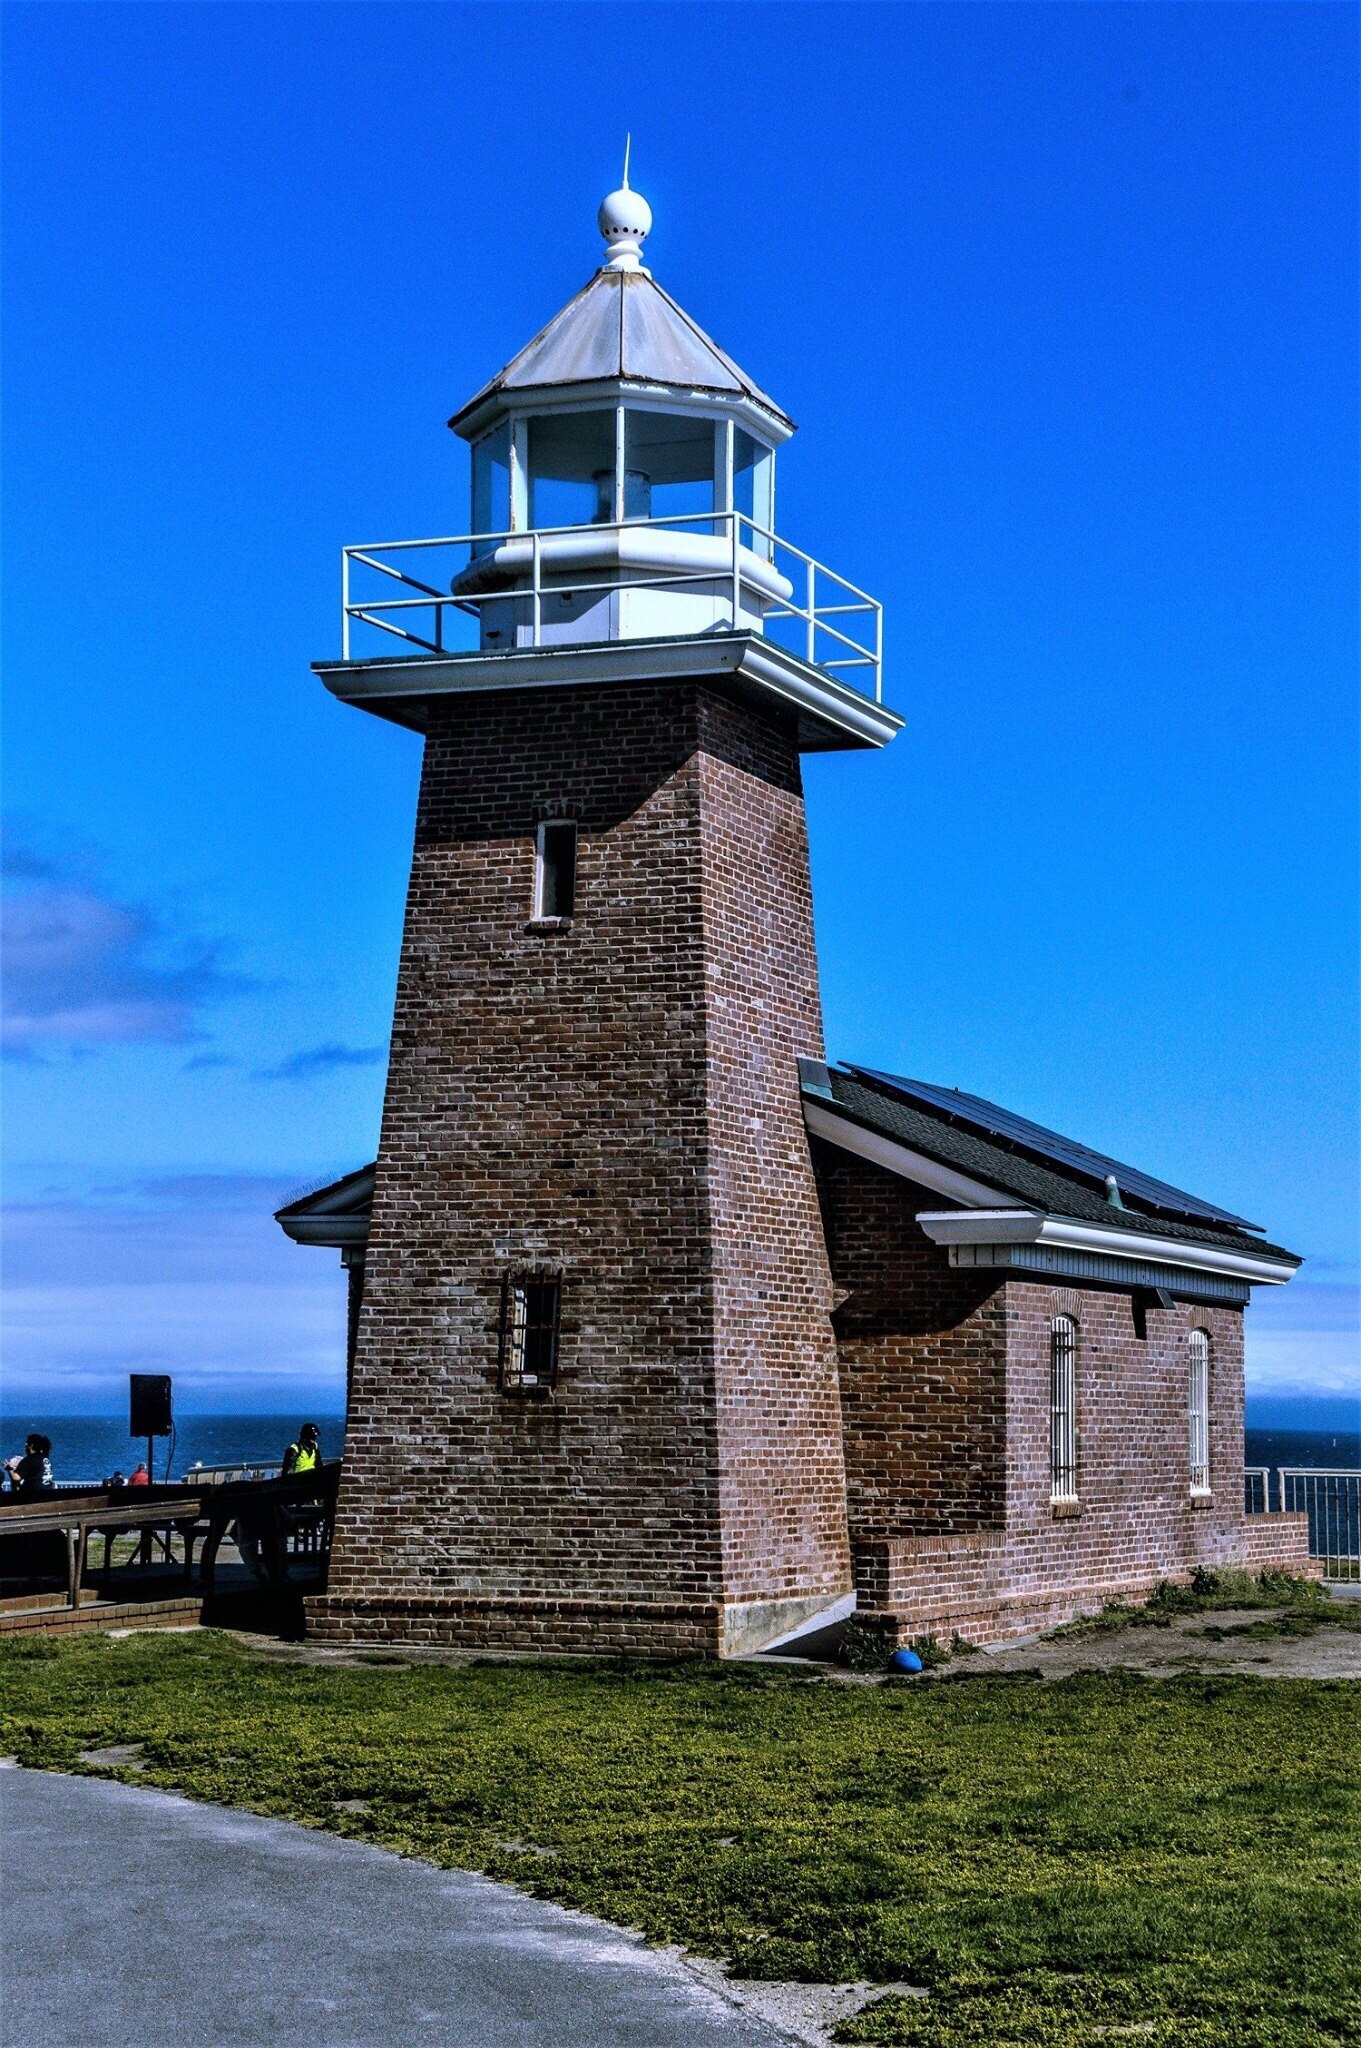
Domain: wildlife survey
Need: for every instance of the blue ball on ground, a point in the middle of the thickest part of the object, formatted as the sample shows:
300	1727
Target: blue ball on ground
906	1660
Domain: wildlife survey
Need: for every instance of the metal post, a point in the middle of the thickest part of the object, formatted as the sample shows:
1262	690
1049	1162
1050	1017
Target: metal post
736	575
344	604
537	600
812	611
878	654
728	500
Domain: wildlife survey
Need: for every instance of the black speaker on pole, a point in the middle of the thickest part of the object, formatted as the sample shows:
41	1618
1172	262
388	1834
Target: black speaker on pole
149	1404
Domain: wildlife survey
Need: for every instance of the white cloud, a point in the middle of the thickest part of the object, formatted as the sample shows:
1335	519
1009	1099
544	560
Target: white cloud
1305	1337
82	970
188	1275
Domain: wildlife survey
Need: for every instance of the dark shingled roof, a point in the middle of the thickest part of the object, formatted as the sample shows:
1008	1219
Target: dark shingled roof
1024	1181
350	1195
1030	1184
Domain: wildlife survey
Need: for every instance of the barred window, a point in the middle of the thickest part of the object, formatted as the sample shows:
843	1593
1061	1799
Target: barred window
1198	1411
529	1332
1063	1409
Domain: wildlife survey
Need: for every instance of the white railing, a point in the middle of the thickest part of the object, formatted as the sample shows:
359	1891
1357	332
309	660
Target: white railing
1329	1496
826	619
221	1475
1256	1489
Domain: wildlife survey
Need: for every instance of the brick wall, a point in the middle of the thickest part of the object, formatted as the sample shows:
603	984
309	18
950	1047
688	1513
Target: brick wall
615	1101
945	1395
922	1352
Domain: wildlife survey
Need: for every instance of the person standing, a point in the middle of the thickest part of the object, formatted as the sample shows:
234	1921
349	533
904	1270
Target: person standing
33	1472
305	1454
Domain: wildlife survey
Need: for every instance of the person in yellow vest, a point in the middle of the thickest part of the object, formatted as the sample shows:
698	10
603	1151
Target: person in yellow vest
305	1454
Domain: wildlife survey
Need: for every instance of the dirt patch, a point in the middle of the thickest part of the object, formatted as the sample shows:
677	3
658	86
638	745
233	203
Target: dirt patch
1253	1642
807	2013
116	1756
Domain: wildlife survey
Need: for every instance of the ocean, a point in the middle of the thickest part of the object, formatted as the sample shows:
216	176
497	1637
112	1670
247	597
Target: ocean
1338	1449
93	1446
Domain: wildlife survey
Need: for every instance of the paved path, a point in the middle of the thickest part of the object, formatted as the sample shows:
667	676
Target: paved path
135	1919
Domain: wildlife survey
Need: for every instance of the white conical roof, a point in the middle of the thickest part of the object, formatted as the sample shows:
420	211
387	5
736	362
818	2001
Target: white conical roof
621	327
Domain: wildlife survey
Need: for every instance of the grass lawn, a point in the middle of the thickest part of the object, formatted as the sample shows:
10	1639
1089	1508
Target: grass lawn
1170	1861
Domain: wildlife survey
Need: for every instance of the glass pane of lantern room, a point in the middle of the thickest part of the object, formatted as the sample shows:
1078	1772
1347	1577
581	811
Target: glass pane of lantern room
571	469
669	464
753	478
491	485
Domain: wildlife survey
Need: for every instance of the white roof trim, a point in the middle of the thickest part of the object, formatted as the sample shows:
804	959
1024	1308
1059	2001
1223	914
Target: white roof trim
899	1159
1026	1226
335	1232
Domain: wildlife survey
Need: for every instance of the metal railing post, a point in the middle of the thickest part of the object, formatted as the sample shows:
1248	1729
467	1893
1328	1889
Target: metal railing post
537	597
344	604
1331	1499
878	654
812	610
734	523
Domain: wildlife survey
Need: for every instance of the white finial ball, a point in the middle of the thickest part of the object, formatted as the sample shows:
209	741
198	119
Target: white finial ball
625	212
625	218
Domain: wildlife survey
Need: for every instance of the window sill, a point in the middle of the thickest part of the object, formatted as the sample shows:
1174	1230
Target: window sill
1202	1498
1065	1510
549	924
518	1393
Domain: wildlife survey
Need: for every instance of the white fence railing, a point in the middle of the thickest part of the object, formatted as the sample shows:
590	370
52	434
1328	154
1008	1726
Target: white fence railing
825	619
1256	1489
1330	1497
221	1475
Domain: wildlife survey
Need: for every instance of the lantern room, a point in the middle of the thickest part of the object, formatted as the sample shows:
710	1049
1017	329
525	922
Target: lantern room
623	470
621	522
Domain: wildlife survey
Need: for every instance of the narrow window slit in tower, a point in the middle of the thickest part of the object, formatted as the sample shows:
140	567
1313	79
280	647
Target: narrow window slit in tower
555	882
529	1332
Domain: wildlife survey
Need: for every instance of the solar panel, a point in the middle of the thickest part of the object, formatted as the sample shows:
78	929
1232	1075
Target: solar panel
990	1121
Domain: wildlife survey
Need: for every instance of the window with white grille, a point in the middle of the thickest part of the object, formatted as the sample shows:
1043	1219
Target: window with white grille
1198	1411
1063	1409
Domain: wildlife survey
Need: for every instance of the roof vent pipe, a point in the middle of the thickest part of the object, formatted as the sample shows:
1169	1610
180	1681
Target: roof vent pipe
1113	1192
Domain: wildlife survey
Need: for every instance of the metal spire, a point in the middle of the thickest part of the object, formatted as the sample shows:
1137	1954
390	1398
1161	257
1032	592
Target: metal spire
625	219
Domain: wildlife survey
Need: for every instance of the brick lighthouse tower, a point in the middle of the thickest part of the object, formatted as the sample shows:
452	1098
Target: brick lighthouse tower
594	1397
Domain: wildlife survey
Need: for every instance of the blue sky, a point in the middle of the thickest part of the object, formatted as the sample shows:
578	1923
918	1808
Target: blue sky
1063	299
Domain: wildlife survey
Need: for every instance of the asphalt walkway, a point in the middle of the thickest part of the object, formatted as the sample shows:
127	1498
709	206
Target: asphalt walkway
135	1919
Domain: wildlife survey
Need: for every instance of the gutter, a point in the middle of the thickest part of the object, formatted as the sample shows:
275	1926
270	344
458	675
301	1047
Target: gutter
978	1226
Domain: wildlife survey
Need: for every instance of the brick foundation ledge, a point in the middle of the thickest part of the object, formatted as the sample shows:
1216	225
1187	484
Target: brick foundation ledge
469	1621
688	1628
989	1586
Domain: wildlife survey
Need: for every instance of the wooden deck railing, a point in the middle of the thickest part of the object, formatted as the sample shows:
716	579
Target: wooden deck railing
279	1518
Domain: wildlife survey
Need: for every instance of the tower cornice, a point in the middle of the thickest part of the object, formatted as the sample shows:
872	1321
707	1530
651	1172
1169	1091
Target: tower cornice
831	716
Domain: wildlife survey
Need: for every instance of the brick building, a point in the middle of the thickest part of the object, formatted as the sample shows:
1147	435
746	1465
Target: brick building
664	1335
